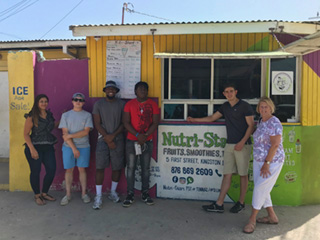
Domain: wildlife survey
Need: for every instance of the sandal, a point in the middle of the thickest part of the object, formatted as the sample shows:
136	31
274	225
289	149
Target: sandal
266	220
39	200
249	228
47	197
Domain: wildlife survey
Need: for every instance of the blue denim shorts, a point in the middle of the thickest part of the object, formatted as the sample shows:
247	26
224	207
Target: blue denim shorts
69	161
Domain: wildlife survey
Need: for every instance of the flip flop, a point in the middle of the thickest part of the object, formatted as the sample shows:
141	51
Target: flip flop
266	220
39	200
249	228
48	197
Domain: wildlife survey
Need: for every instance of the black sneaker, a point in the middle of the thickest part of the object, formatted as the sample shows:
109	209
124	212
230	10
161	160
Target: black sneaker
238	207
147	199
213	208
128	201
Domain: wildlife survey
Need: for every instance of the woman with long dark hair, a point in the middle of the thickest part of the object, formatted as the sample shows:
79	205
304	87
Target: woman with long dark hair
39	147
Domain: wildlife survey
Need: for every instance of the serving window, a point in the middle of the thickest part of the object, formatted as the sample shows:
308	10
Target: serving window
193	87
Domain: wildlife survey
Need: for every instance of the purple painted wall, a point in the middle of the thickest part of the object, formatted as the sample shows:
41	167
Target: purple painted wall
59	80
313	60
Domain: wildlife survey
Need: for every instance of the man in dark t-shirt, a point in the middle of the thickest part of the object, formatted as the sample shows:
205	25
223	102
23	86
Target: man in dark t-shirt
240	124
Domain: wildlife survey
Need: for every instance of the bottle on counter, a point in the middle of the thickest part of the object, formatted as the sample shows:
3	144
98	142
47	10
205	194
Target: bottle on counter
298	146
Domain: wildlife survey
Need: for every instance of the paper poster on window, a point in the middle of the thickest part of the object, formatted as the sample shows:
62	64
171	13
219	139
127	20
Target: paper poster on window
282	83
124	65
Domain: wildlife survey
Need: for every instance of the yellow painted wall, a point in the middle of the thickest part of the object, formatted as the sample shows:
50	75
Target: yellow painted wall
21	97
310	101
151	67
49	54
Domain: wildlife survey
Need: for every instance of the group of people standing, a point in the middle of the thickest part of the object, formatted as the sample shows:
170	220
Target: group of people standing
140	117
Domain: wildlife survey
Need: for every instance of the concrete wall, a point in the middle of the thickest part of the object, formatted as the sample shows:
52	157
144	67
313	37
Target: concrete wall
4	115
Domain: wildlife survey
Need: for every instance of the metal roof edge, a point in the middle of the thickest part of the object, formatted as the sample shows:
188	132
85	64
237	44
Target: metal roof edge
42	43
194	28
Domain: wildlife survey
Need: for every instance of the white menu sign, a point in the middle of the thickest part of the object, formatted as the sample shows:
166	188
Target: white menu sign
124	65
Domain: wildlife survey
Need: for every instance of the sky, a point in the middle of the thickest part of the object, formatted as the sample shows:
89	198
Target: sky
50	19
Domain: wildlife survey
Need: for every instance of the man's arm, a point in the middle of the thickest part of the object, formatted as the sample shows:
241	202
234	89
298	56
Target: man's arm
249	131
154	125
126	119
79	134
108	138
69	141
210	118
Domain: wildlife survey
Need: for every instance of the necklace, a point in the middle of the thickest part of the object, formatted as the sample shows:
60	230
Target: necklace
141	109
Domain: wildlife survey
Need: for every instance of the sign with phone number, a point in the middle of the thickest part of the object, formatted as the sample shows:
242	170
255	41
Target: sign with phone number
190	159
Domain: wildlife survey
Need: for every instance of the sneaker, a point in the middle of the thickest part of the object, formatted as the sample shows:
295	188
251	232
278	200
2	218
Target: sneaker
147	199
213	208
113	196
97	202
65	200
129	200
238	207
85	198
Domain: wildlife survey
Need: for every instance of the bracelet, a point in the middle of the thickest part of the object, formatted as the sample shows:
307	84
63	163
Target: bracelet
137	134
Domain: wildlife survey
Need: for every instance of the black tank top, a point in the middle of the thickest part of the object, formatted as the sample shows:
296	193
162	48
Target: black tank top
42	134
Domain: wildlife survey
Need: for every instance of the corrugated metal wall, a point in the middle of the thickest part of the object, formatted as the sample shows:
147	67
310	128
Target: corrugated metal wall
151	67
310	94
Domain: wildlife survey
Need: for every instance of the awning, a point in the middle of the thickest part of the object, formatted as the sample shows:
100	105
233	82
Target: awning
305	45
242	55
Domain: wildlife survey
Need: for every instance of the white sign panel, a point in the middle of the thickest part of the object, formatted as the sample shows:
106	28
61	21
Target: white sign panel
124	65
190	162
282	83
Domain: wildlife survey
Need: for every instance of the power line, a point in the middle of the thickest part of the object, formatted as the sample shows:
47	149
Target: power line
12	7
10	35
62	19
1	20
145	14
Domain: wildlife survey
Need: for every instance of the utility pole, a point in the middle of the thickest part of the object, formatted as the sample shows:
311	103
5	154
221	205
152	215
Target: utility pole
124	7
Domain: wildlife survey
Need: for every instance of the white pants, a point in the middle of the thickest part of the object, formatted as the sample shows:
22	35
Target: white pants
263	186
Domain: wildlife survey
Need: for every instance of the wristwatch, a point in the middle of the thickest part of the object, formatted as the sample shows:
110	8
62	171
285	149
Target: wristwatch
267	162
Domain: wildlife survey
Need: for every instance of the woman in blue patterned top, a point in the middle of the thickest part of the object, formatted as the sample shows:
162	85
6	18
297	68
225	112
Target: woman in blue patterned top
39	147
268	155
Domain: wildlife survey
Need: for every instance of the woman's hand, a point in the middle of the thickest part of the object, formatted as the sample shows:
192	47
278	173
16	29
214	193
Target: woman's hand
264	171
34	154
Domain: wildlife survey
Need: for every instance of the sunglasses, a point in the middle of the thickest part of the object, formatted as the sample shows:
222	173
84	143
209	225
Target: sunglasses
78	100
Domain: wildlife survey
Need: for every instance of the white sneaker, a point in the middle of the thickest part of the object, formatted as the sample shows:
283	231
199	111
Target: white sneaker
86	198
65	200
97	202
113	196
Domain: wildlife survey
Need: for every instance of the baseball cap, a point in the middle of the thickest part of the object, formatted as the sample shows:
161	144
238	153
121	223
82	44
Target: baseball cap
78	95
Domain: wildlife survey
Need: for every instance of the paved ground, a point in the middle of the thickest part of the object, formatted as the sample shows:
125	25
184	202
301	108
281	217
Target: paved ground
22	219
4	172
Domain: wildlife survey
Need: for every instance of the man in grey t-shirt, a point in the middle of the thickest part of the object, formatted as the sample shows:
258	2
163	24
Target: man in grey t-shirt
75	125
107	115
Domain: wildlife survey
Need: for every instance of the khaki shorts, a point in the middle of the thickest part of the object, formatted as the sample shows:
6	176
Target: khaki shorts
236	161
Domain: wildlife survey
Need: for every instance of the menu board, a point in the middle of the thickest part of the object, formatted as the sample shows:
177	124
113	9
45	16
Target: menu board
124	65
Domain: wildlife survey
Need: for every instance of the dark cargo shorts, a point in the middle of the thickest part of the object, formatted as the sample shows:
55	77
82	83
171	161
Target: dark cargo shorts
104	155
